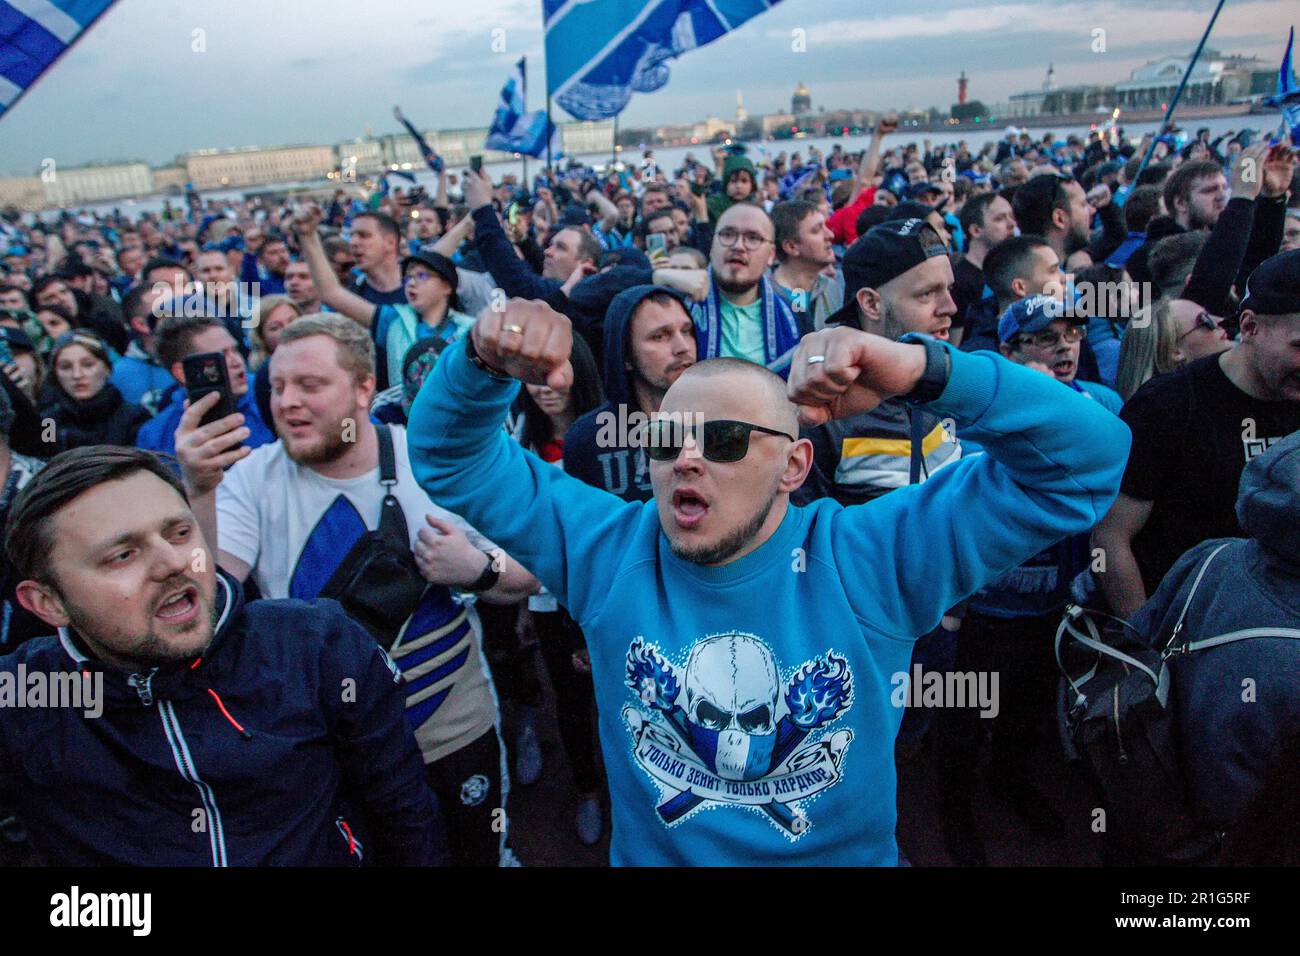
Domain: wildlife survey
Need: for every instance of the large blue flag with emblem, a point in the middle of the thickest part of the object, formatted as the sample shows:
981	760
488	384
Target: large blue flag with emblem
513	129
600	52
35	33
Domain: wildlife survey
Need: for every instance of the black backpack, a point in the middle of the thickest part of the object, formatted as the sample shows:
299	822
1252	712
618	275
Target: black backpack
1119	718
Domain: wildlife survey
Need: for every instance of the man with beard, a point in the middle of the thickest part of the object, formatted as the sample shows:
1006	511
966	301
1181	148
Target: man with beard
1056	207
290	512
804	252
740	647
1196	194
209	711
896	281
266	267
744	316
899	276
649	343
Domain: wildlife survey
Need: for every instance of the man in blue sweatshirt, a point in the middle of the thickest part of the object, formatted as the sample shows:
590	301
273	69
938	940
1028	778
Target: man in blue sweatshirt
744	649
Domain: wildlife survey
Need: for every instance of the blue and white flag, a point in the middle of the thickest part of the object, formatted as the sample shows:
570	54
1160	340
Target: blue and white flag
431	159
600	52
35	33
513	129
1288	96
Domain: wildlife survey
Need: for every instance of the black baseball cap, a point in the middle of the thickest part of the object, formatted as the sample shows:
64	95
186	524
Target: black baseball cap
1274	287
435	261
884	253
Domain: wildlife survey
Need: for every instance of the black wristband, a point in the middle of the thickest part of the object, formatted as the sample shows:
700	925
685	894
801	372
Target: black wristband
938	368
477	361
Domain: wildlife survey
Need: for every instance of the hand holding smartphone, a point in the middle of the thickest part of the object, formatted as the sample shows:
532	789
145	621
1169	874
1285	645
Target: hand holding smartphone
205	373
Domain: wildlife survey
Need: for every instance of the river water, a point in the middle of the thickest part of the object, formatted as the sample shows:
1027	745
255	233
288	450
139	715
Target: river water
670	158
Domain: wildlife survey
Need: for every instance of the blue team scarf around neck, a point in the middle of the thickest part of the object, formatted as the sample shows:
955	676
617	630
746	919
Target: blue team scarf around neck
780	330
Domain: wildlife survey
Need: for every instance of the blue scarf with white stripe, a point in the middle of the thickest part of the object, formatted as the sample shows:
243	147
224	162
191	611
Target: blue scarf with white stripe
781	330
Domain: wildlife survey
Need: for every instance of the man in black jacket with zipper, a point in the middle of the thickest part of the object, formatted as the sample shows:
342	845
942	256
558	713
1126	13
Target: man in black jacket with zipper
170	724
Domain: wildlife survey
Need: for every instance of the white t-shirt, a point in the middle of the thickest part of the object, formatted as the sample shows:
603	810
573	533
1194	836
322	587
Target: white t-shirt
267	507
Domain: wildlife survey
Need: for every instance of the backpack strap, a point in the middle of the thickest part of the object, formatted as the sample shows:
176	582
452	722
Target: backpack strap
1094	641
1231	637
915	445
1288	633
1178	625
392	521
387	458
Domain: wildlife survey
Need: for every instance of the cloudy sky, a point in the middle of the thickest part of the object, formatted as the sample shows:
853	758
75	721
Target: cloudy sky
298	71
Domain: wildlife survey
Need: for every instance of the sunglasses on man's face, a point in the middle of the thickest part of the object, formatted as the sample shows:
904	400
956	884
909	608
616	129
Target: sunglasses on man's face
723	440
1203	321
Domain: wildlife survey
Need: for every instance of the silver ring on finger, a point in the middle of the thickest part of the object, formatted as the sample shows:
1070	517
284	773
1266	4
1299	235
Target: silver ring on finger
816	359
518	330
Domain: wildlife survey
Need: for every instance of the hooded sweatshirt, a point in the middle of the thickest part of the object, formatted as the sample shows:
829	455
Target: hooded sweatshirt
597	449
748	711
1237	703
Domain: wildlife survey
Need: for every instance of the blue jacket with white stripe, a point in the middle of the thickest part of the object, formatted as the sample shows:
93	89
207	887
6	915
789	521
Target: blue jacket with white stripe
284	744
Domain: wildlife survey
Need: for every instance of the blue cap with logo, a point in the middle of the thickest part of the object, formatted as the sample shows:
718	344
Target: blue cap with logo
1032	314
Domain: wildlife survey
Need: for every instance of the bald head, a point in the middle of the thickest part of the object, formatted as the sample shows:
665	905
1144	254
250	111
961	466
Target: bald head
734	388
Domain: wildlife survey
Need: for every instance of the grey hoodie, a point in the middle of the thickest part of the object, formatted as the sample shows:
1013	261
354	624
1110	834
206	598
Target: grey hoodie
1236	704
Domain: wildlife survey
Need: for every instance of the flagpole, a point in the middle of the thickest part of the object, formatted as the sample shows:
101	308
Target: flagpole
613	149
523	75
548	138
1173	103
